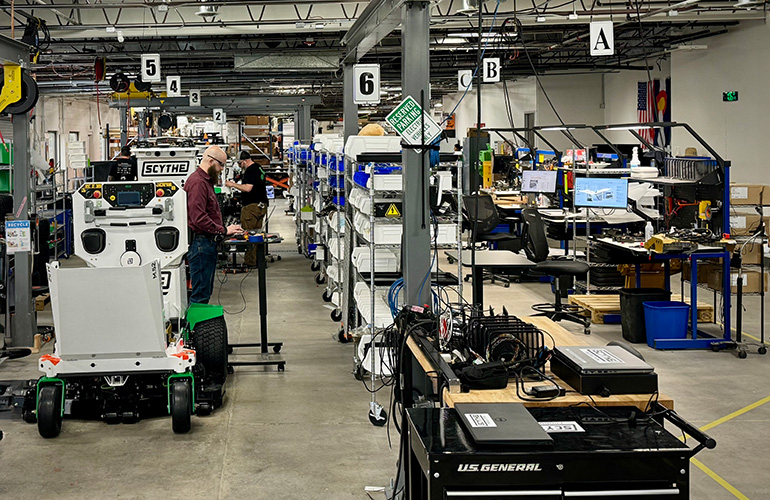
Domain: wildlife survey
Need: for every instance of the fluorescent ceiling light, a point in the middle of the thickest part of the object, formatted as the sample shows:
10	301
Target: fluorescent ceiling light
452	41
556	129
476	35
631	127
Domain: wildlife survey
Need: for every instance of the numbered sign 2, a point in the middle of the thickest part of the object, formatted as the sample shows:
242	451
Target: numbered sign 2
151	68
366	83
219	116
174	86
195	97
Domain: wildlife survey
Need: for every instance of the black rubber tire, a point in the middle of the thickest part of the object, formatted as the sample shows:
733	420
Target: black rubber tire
762	350
49	411
336	315
281	368
743	354
715	348
326	297
315	266
29	96
277	348
342	337
320	279
378	422
181	405
209	339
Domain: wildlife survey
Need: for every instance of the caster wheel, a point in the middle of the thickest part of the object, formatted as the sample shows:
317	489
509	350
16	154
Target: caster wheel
336	315
277	349
507	285
281	368
715	348
587	331
467	279
29	417
320	279
315	266
299	250
181	405
762	350
517	280
326	296
278	257
49	411
743	354
342	337
203	410
451	260
378	420
358	373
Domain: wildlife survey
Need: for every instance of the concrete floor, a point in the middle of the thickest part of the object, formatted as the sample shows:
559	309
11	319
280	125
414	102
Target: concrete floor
304	433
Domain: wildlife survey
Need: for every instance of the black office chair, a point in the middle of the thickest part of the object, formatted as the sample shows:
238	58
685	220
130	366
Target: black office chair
563	271
484	213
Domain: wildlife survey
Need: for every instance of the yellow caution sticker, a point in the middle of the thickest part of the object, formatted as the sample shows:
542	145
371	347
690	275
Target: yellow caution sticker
392	211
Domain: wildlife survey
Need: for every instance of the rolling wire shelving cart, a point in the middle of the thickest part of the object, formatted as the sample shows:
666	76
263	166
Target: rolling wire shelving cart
334	221
373	229
304	215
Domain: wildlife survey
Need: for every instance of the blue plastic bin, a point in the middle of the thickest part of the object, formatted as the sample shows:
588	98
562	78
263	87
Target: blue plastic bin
665	320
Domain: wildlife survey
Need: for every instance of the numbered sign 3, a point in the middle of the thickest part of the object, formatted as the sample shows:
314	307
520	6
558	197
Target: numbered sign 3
219	116
174	86
151	68
195	97
366	83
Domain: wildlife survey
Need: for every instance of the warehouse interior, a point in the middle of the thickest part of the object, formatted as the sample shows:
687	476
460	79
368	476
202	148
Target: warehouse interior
388	249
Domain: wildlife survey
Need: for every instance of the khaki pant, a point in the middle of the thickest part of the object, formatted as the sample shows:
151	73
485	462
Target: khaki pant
252	217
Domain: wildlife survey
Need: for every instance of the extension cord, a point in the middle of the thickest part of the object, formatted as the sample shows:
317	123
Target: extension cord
546	391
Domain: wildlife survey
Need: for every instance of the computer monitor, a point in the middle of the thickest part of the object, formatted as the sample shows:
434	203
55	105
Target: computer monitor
538	181
601	192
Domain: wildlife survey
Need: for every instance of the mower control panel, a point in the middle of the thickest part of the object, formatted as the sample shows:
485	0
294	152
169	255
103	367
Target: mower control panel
130	194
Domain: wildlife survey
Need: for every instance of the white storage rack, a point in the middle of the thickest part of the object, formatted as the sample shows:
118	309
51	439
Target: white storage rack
301	166
333	227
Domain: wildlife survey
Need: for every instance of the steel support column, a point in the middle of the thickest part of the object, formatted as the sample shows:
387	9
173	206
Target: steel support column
23	323
415	77
302	126
349	108
123	127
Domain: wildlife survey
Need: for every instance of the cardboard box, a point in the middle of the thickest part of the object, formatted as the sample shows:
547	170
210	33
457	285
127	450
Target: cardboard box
250	120
749	194
752	253
752	281
705	269
744	224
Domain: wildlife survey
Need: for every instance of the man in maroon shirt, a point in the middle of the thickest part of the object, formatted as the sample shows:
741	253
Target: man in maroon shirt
204	218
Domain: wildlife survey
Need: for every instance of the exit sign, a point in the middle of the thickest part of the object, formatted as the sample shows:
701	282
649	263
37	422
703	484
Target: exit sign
730	96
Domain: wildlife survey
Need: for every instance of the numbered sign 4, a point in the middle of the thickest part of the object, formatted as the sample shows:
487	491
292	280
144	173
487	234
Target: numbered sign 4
219	116
195	97
174	86
366	83
151	68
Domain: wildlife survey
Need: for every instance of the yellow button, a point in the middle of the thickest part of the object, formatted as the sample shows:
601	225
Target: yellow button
112	198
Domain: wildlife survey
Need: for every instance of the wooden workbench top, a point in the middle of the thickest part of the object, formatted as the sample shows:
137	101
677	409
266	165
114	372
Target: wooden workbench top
561	336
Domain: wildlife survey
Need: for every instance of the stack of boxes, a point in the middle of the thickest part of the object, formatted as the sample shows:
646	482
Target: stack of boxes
258	130
749	206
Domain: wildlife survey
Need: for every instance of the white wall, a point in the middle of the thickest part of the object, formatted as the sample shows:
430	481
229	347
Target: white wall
493	110
738	131
80	115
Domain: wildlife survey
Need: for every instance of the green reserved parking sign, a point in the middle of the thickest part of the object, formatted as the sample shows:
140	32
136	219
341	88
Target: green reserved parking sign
407	118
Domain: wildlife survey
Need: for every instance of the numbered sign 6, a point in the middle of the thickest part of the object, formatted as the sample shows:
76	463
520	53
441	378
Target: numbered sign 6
151	68
195	97
219	116
174	86
366	83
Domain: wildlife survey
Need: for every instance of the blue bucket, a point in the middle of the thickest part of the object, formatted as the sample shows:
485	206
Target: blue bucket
665	320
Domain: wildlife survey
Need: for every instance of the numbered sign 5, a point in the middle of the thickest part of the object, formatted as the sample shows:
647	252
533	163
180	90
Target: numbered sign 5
195	97
219	116
151	68
366	83
174	86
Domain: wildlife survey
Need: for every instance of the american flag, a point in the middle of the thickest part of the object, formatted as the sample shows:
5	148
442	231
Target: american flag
645	106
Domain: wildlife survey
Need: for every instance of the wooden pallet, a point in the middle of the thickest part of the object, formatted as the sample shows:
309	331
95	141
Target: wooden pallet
599	306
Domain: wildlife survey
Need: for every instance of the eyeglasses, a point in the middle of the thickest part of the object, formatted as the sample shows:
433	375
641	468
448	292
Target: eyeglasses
221	163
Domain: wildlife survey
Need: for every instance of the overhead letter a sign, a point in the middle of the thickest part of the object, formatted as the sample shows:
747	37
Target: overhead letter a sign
602	38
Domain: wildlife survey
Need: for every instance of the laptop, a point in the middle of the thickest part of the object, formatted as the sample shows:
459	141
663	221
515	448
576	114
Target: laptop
502	424
611	359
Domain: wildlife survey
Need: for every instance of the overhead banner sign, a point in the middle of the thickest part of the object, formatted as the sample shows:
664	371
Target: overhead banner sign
174	86
407	119
195	97
151	68
602	38
366	83
464	79
492	70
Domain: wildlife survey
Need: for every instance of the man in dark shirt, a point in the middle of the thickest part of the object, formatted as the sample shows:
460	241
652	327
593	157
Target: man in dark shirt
205	221
124	168
253	200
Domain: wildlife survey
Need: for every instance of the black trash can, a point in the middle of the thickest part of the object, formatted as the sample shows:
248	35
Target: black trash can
632	310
